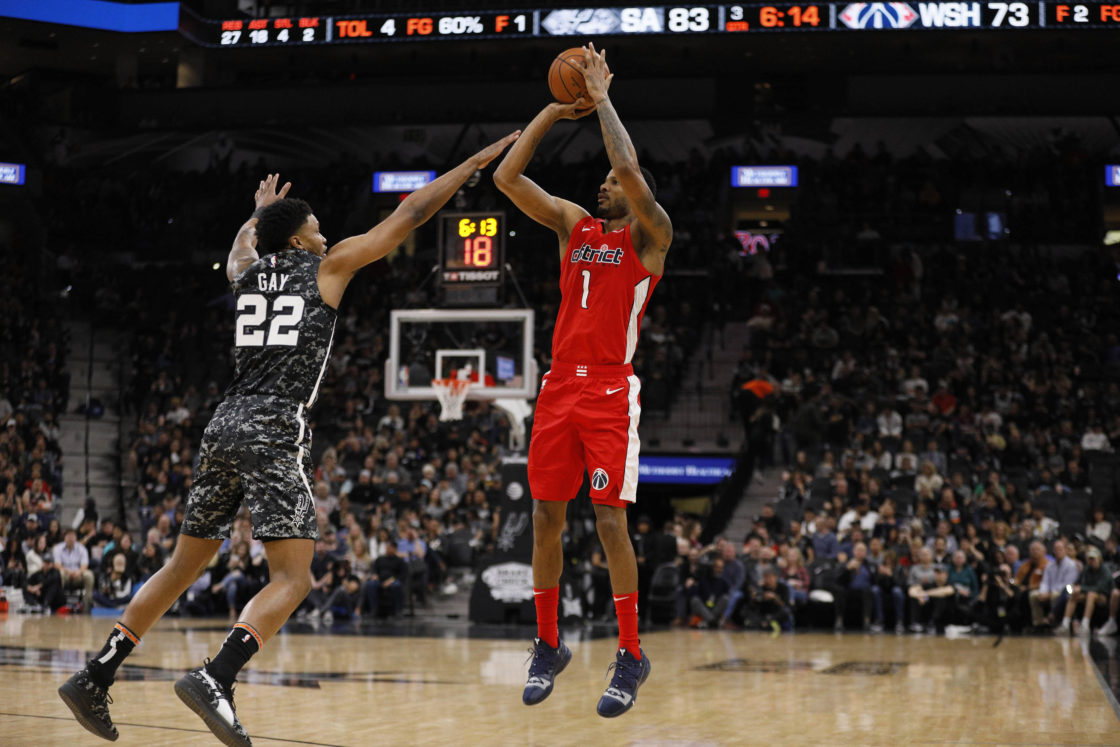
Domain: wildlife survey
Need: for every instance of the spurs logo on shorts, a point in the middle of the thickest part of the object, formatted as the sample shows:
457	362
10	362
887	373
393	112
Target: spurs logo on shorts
599	479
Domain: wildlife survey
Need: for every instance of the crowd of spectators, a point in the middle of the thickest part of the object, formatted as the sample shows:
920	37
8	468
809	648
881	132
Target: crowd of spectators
946	431
34	392
980	374
885	571
394	485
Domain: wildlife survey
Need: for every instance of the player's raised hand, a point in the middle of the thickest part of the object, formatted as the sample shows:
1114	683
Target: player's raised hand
492	151
266	191
575	110
596	75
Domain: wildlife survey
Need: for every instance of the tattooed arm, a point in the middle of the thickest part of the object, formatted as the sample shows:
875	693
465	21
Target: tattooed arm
653	231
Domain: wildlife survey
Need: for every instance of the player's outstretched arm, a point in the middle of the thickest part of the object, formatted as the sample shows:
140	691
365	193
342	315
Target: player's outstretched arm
244	252
350	255
553	212
655	228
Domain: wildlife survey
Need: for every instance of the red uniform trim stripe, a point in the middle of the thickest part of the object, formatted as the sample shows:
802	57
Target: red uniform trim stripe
620	371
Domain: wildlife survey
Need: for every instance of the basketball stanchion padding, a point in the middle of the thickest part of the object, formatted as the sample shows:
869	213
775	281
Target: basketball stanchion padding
451	394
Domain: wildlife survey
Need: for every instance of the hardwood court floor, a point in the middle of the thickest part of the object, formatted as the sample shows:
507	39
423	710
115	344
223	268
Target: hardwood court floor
706	688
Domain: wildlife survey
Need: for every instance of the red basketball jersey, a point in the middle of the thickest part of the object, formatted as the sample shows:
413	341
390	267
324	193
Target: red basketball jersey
605	289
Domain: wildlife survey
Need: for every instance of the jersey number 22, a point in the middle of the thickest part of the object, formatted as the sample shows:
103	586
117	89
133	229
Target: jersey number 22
253	312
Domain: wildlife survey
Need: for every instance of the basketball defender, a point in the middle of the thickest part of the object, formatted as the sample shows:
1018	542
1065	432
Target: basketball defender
587	411
256	448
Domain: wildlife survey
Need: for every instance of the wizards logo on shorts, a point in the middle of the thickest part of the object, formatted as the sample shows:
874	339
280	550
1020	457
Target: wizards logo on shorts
599	479
603	255
878	16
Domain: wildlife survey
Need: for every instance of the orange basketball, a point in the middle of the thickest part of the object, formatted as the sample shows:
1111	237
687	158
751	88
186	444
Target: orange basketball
565	77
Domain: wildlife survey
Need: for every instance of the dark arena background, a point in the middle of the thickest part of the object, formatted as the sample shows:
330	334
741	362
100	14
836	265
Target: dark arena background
885	345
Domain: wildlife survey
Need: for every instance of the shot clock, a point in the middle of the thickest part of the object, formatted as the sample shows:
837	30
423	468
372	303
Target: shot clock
472	248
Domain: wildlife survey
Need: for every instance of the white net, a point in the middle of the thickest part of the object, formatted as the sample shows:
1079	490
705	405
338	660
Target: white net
451	394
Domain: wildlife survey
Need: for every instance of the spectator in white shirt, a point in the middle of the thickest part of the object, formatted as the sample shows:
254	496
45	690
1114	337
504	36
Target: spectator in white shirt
1095	439
905	461
890	423
990	420
392	420
1098	527
928	479
861	514
845	367
73	563
177	413
911	385
879	458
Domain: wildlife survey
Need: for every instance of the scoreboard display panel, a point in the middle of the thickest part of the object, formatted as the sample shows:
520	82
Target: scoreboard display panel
472	248
667	20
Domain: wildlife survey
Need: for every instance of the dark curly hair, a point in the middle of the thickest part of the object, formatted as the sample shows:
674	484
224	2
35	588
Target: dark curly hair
278	222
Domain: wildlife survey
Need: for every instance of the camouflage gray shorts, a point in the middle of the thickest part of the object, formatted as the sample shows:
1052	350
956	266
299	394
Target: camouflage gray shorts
255	450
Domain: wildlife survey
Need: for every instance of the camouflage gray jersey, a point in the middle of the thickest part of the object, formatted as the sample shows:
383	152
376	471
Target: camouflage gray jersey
282	338
256	448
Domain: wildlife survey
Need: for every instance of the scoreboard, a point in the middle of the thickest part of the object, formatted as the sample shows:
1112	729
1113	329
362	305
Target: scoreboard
472	248
663	20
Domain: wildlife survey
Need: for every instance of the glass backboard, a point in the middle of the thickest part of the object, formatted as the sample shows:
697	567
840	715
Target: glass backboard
493	348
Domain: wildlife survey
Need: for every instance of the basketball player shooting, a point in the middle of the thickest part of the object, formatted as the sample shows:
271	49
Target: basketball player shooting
256	448
587	412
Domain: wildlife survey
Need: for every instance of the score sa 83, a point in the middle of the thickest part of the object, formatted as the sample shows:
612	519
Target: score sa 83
683	20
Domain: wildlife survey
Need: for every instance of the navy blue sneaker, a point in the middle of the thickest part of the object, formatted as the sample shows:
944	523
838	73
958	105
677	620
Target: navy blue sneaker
629	674
547	662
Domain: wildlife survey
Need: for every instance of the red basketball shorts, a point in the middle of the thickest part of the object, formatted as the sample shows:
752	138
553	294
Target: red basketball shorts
586	419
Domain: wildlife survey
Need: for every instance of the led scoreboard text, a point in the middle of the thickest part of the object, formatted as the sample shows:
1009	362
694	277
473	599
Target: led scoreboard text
471	248
666	19
13	173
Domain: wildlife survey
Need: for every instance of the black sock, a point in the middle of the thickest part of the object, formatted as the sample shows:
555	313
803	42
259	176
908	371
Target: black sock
103	667
241	643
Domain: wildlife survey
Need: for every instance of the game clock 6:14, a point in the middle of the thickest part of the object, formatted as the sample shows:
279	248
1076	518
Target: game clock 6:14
472	248
773	17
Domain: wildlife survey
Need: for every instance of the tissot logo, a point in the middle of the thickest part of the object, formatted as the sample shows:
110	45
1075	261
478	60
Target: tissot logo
470	276
603	255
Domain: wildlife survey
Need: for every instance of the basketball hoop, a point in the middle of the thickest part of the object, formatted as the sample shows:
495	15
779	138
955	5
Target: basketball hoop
451	393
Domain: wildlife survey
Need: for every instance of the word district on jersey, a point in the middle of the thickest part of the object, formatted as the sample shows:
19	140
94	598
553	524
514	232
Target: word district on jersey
603	255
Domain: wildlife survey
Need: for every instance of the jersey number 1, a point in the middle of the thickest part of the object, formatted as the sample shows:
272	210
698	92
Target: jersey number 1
252	311
586	287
